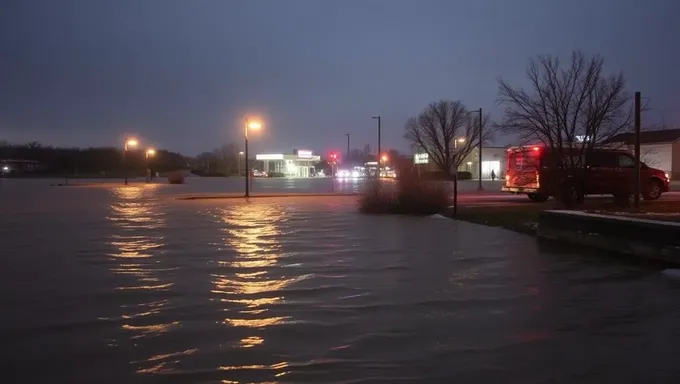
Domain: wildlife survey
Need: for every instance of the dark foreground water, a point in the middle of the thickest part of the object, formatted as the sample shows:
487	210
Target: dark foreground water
126	284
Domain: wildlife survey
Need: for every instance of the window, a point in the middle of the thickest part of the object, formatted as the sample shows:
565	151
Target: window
626	161
602	160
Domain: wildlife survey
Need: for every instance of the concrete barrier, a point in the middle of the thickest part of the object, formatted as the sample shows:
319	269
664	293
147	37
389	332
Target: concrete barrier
649	239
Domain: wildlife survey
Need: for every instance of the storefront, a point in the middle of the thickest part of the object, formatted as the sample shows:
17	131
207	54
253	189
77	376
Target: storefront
298	164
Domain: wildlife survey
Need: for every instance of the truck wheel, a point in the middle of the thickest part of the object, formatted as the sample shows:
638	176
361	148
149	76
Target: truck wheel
537	197
653	190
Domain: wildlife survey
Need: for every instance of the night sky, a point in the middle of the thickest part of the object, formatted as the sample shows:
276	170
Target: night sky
182	74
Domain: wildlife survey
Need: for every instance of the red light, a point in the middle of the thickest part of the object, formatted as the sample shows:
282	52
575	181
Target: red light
536	149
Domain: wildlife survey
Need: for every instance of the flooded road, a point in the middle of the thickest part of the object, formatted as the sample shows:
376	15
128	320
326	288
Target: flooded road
127	284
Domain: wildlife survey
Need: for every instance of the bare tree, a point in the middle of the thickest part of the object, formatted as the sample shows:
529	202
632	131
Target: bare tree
571	109
447	132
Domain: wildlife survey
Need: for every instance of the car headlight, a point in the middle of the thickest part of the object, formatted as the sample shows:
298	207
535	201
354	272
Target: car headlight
667	177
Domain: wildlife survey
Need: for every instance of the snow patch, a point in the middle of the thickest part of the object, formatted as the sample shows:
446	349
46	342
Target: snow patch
671	272
438	216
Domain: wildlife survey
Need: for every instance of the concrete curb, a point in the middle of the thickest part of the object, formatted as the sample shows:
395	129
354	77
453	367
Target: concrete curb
647	239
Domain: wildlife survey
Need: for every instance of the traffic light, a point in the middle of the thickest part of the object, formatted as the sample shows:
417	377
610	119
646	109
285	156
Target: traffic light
334	157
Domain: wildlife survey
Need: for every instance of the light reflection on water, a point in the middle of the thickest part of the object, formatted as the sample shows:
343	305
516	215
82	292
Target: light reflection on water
139	241
245	285
308	290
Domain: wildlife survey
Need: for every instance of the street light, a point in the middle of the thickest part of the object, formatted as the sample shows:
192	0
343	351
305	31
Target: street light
256	125
148	154
480	188
458	140
129	142
378	118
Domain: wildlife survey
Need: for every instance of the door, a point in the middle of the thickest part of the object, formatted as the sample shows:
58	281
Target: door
624	174
600	167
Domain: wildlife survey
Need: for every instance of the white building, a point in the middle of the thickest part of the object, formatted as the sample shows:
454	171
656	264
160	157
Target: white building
493	159
658	149
298	164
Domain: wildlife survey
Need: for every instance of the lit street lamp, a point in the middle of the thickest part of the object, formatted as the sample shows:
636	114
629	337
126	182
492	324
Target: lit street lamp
148	154
249	125
129	142
458	140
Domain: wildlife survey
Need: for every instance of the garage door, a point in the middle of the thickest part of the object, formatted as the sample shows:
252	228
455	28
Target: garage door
657	156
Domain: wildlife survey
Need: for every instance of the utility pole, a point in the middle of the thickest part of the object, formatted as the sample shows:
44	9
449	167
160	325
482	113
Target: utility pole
347	156
480	188
636	189
378	156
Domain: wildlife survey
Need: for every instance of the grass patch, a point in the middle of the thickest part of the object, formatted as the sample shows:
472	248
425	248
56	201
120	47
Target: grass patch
519	218
523	217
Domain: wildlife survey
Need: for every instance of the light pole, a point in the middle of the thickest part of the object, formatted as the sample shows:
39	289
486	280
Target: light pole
238	161
347	156
249	125
148	154
480	188
129	142
378	156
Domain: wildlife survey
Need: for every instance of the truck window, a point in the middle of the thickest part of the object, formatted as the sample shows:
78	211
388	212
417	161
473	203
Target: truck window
602	160
625	161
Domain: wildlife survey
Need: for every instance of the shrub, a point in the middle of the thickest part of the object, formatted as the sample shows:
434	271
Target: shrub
176	177
412	196
464	175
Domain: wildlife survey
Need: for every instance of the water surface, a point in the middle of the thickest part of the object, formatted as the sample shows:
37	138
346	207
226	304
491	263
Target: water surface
127	284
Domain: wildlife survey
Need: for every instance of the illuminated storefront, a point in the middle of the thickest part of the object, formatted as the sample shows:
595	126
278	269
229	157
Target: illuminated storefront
298	164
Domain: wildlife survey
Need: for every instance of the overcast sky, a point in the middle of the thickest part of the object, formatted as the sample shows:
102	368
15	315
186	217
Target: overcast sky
182	74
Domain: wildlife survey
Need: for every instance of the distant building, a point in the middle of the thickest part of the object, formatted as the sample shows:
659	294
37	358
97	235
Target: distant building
15	166
300	163
493	159
658	149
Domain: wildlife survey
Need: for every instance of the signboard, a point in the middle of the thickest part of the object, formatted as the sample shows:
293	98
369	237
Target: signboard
304	154
275	156
421	158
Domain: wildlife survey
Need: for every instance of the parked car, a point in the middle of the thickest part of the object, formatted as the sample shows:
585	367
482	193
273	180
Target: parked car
606	171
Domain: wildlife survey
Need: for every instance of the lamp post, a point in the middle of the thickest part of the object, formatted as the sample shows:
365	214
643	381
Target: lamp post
249	125
148	154
347	156
379	119
479	187
129	142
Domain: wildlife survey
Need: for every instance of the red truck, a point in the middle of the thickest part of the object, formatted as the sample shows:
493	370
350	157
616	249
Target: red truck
607	171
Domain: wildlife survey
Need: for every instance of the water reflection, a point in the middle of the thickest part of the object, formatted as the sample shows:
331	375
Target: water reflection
249	285
138	246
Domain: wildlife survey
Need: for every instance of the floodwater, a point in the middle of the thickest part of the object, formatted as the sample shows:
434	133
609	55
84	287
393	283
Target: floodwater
126	284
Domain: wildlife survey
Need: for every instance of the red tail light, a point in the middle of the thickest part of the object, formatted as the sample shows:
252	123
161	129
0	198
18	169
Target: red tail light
536	149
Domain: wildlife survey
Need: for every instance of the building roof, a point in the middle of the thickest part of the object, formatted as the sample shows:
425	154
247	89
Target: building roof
648	137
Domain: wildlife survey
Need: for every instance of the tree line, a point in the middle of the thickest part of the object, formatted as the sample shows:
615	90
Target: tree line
93	162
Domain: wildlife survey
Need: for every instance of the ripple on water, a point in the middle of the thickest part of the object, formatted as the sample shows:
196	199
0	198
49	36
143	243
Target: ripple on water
310	291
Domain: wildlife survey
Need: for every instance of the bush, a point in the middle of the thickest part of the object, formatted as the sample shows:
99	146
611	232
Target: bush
275	174
176	177
413	196
464	175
